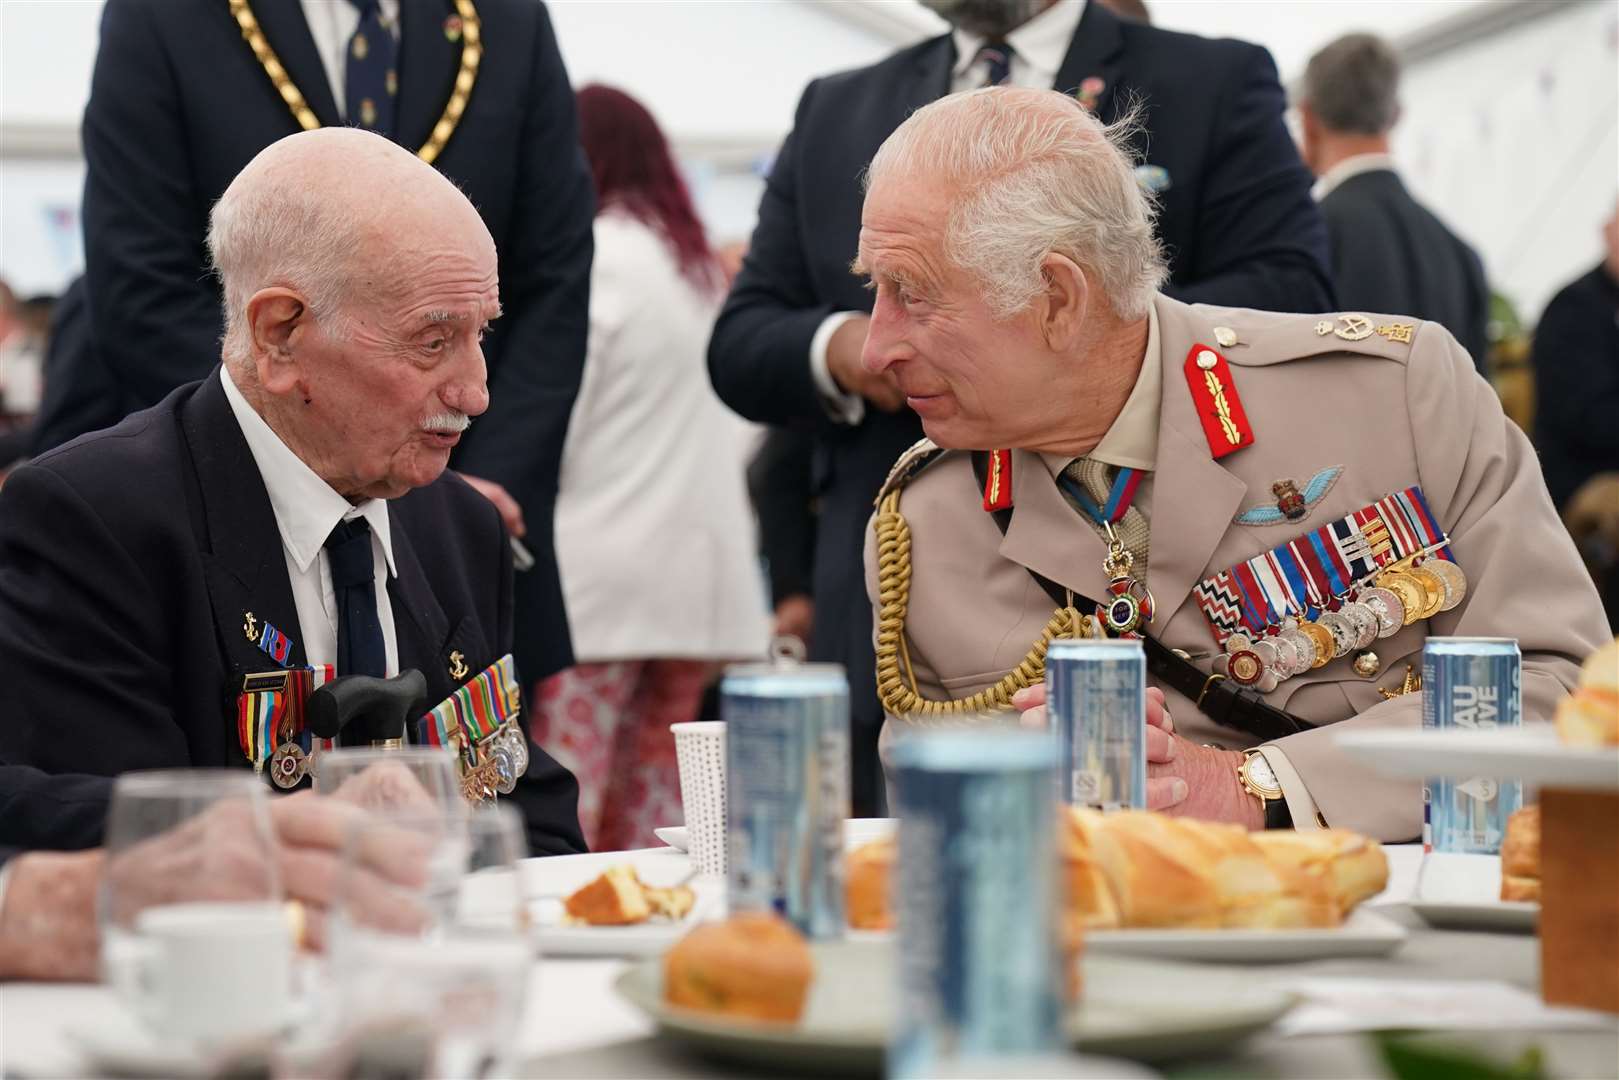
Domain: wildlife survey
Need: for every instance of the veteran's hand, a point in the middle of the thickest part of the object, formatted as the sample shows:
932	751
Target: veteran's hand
795	617
510	512
48	927
1209	776
843	362
1164	788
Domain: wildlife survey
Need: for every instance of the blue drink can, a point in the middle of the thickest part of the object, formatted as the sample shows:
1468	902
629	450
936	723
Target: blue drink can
787	791
1469	683
976	897
1096	695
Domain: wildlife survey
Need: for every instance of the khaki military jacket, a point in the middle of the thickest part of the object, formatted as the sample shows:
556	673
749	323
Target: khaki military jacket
1391	414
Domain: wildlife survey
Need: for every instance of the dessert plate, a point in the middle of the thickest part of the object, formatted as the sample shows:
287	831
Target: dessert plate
1137	1009
674	836
555	936
1531	754
1510	916
856	831
1363	933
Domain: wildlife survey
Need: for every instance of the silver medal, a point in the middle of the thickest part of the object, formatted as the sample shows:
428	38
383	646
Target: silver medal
1388	609
1364	621
1344	634
1303	648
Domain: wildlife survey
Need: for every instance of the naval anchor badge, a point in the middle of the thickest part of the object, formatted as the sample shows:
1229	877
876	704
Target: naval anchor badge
1292	504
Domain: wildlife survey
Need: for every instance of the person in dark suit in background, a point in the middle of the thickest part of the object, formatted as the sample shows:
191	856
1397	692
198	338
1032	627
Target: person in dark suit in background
781	478
1235	216
183	96
298	488
1389	253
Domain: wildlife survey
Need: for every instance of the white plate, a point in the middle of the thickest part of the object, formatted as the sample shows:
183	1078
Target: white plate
557	938
1132	1008
1530	754
856	831
1512	916
674	836
1364	933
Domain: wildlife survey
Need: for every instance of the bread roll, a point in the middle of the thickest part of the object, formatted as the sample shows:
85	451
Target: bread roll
1520	855
1159	876
1089	895
1349	867
1590	715
753	965
868	871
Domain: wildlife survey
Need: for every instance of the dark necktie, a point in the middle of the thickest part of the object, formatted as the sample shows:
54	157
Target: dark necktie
998	57
359	631
371	82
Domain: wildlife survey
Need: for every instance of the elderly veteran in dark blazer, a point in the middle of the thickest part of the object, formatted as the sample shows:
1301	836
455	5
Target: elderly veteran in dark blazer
292	508
1294	502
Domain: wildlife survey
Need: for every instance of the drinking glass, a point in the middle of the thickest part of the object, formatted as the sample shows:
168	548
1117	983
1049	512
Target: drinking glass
195	939
444	957
414	779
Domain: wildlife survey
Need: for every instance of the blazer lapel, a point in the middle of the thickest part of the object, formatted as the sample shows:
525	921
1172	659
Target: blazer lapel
1096	52
1047	535
242	555
930	77
428	64
287	31
1193	497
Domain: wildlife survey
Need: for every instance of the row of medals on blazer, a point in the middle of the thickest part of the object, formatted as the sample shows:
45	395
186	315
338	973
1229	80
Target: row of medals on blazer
1417	587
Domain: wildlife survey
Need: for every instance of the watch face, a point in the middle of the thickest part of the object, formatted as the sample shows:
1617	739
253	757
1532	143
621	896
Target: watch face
1263	777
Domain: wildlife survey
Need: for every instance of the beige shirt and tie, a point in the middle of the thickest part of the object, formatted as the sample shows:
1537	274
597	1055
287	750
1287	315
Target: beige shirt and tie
1390	414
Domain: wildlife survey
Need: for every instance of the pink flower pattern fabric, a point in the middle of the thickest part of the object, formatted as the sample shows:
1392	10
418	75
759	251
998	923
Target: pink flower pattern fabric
609	723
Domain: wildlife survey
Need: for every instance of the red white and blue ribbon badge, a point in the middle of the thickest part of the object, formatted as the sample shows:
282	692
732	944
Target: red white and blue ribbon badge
273	643
1301	578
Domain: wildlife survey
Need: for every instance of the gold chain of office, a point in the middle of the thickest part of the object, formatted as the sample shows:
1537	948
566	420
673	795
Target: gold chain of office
471	57
896	682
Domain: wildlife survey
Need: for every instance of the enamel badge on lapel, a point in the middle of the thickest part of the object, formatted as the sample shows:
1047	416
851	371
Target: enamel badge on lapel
1090	92
272	642
1219	409
998	482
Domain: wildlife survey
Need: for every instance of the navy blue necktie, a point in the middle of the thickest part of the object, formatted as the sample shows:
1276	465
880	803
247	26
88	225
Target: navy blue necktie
371	82
998	57
359	632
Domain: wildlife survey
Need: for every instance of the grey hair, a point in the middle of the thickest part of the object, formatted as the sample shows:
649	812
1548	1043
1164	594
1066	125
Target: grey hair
1353	85
1038	174
281	234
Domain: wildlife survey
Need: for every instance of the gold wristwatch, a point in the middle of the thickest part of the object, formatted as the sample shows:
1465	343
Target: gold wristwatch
1259	780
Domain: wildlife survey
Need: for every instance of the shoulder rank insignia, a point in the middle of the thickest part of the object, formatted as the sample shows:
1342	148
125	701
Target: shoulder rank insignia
921	454
1225	424
1291	504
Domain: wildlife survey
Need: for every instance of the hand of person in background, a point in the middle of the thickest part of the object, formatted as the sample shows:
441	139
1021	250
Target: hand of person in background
795	617
1183	777
48	919
843	362
511	514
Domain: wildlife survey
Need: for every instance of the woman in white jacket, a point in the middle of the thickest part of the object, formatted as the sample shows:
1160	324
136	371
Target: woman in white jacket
654	532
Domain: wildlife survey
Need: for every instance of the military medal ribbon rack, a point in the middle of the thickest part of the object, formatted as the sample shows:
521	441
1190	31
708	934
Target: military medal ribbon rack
479	722
270	722
1332	592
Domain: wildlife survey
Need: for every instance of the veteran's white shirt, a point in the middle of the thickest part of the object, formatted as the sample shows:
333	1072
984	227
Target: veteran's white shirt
1038	48
306	511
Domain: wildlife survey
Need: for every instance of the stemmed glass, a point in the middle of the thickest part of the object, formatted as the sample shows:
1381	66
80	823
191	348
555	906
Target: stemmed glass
443	960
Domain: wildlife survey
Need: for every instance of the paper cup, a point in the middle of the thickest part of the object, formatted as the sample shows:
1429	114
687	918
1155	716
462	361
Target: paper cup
700	752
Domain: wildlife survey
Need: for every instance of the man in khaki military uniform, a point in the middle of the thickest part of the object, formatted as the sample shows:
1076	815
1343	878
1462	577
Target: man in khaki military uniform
1303	498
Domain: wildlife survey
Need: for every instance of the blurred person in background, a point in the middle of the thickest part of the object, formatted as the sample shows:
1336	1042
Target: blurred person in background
24	333
1576	368
654	534
185	92
1235	214
1389	253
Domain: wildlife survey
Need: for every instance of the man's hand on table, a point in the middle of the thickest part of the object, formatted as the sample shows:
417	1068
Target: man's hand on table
1183	777
843	363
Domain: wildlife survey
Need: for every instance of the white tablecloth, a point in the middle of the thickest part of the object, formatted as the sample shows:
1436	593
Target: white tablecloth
571	1004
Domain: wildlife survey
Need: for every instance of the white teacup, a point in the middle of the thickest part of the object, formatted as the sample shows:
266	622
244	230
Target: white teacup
210	972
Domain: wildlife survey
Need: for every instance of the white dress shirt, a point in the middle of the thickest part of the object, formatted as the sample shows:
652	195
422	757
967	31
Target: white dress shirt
331	24
1353	165
306	511
1038	48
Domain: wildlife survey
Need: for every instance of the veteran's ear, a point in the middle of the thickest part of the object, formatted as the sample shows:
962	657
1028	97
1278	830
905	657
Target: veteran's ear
277	318
1065	302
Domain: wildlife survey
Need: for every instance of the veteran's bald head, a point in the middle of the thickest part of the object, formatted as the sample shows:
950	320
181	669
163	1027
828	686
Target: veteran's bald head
334	214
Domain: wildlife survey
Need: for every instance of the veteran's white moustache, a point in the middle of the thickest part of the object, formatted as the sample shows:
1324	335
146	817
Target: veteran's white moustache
452	423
